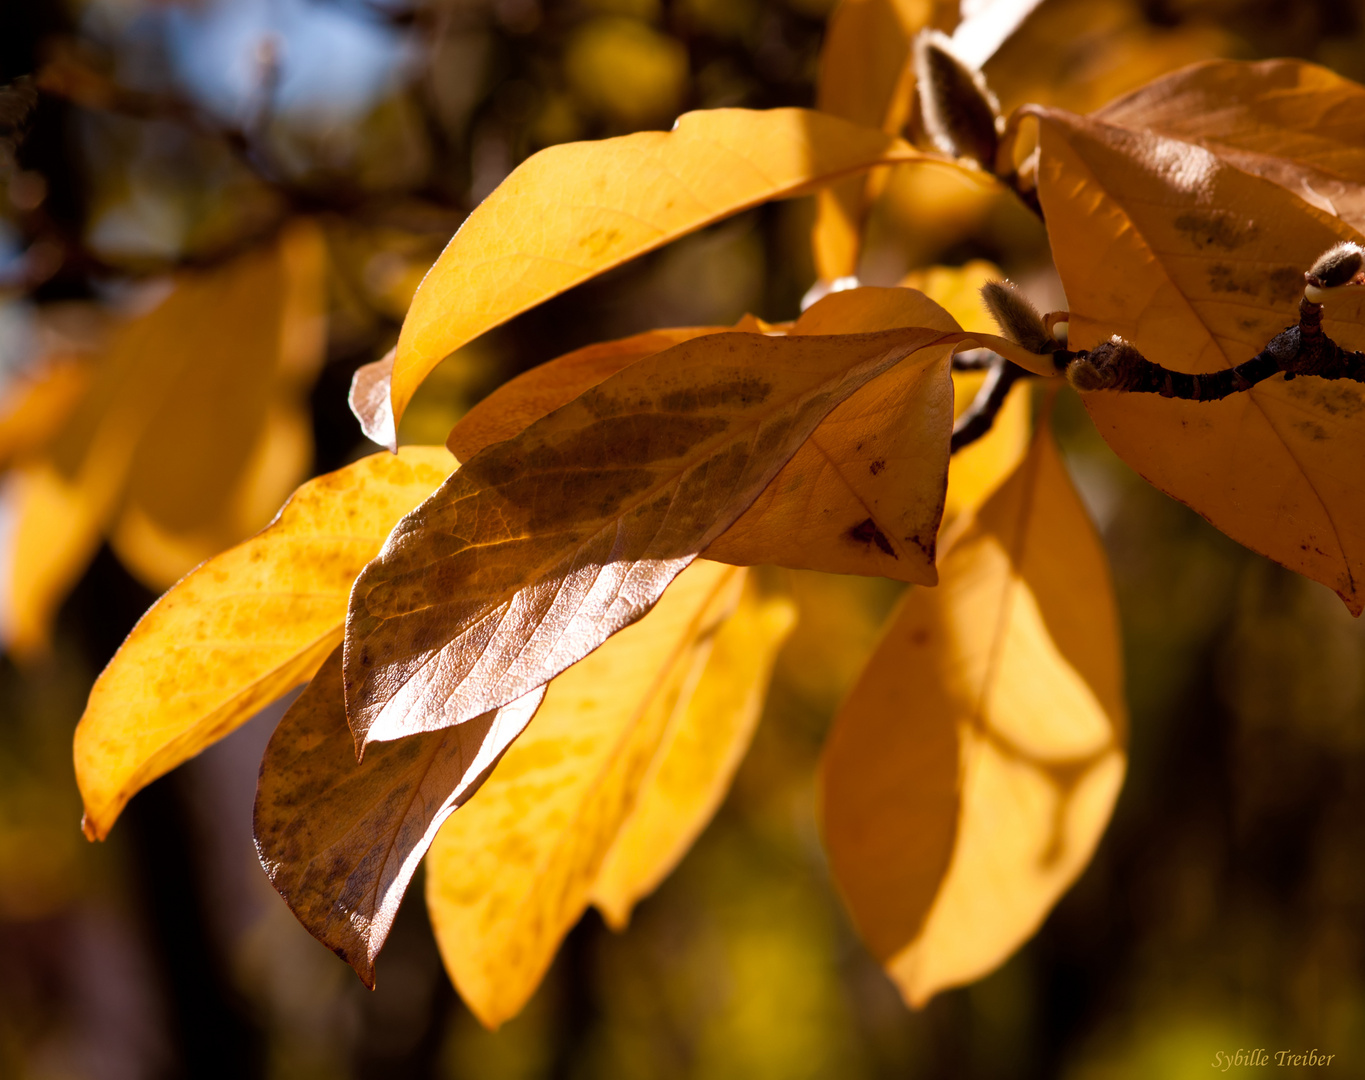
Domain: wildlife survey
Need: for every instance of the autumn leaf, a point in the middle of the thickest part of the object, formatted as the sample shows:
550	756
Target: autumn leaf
1297	124
1210	261
544	545
35	405
241	630
707	737
512	871
972	770
573	211
865	76
340	840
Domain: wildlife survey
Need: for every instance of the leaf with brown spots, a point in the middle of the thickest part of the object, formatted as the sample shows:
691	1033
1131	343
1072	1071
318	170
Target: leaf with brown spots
573	211
1294	123
972	770
512	871
1199	265
544	545
340	840
241	630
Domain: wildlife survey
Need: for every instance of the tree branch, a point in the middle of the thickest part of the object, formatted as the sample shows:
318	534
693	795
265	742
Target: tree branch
979	417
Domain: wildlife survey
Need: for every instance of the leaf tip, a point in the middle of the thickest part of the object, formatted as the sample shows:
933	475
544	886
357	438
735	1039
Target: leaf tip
371	401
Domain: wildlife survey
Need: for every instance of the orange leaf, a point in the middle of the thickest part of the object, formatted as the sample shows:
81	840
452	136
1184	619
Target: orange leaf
542	546
1199	265
972	770
575	210
340	840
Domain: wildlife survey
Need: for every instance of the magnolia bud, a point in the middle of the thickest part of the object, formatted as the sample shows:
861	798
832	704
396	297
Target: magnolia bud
1338	265
1017	318
960	113
1109	366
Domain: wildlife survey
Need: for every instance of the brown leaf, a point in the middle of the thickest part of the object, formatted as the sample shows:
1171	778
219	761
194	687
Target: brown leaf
340	840
543	546
1199	265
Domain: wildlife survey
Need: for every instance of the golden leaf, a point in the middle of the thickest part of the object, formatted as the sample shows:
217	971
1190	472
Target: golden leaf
544	545
1294	123
340	840
35	405
971	772
241	630
572	211
512	871
706	739
1199	265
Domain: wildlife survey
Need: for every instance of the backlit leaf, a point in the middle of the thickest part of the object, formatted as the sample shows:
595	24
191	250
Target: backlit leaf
972	770
1295	123
35	405
241	630
544	545
340	839
1199	265
512	871
697	758
575	210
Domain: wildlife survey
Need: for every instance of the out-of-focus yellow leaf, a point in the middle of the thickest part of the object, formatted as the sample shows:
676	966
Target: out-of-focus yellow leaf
626	70
866	77
341	839
513	869
1297	124
864	494
241	630
982	466
573	211
543	546
972	770
1209	262
707	738
35	406
219	455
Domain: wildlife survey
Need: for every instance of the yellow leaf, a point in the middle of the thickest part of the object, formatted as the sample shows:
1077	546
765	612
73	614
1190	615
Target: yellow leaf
220	424
575	210
34	406
865	76
1294	123
241	630
544	545
511	872
706	739
339	839
982	466
972	770
1199	265
864	494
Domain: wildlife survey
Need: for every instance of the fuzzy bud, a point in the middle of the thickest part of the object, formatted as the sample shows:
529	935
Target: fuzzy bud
960	113
1338	265
1111	365
1017	318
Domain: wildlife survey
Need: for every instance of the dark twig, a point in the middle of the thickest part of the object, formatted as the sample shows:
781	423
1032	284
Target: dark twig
979	416
1298	350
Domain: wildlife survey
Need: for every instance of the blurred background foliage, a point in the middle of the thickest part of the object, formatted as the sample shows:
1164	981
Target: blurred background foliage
178	149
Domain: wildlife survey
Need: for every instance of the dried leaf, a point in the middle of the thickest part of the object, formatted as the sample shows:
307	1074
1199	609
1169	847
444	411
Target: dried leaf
241	630
511	872
340	840
706	739
972	770
544	545
1297	124
864	494
1211	261
575	210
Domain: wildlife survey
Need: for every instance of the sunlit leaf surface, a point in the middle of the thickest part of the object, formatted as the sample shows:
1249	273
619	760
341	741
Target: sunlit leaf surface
973	768
573	211
512	870
1199	265
542	546
242	629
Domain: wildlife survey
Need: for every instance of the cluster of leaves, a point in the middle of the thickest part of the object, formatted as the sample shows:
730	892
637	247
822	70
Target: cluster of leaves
553	611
